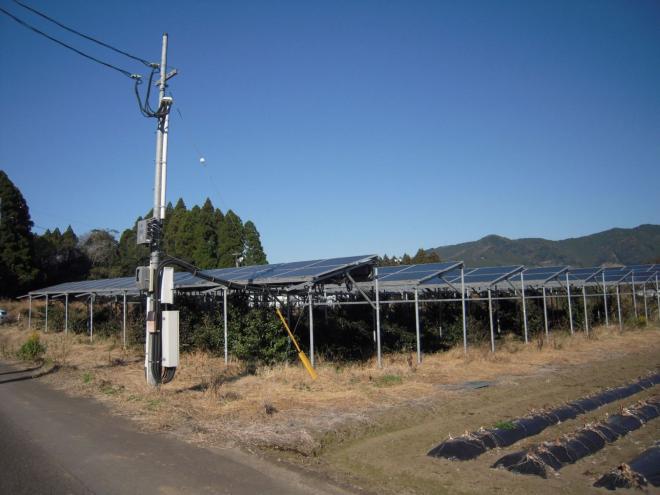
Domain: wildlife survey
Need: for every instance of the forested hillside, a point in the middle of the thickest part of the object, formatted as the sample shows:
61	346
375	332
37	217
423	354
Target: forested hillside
611	247
204	236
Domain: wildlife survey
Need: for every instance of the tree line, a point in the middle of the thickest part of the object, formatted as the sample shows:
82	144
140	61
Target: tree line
204	236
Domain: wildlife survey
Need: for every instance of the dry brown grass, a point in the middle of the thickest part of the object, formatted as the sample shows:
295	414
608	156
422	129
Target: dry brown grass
280	407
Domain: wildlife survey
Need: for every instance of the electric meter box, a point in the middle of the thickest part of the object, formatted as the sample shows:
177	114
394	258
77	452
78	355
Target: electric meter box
143	232
170	339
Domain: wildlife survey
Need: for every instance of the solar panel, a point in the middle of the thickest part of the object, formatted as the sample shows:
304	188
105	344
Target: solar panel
583	274
641	268
541	273
413	274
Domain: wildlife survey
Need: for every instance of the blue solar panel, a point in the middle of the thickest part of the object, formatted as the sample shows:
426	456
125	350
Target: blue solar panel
583	274
281	273
413	273
542	273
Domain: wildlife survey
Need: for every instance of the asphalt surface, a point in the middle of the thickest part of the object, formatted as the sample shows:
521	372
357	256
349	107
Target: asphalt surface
54	444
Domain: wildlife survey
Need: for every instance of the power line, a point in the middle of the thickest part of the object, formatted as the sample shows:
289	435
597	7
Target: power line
61	43
87	37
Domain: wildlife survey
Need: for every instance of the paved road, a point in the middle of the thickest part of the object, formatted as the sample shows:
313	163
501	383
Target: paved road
54	444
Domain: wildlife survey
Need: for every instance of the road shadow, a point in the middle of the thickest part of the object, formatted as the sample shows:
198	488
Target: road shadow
54	369
13	372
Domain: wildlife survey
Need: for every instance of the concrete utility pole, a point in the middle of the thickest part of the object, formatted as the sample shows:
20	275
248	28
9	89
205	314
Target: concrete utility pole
159	210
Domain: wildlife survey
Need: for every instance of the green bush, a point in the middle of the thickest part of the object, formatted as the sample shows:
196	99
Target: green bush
32	349
260	336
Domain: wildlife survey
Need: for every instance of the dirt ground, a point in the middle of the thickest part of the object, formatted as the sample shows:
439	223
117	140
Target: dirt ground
369	427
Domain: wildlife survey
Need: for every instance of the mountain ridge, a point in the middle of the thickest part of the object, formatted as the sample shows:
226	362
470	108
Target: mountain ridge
616	246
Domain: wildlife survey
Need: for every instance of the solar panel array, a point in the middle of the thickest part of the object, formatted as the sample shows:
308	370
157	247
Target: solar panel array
279	274
428	275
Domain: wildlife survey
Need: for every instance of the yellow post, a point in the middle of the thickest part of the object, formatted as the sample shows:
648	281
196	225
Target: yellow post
301	355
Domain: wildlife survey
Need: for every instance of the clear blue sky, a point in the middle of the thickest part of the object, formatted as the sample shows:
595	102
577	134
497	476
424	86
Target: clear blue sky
347	127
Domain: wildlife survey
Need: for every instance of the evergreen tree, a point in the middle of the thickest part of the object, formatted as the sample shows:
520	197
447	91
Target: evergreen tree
101	248
231	240
130	254
17	270
205	236
254	251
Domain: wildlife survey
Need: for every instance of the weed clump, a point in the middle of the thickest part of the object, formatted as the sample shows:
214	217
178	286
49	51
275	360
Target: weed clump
32	349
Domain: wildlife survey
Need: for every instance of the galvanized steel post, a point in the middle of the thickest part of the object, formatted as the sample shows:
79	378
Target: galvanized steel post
618	304
492	326
46	327
570	307
419	345
91	318
657	294
123	323
524	305
311	327
607	317
463	303
30	313
224	321
586	315
378	348
545	313
646	308
634	297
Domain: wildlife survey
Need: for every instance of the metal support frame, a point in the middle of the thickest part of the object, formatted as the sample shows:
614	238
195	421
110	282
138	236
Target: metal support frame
46	324
657	295
311	326
607	316
586	315
123	323
524	305
30	312
224	321
357	286
91	317
419	344
378	347
634	296
618	305
570	307
545	313
646	308
66	314
464	307
490	317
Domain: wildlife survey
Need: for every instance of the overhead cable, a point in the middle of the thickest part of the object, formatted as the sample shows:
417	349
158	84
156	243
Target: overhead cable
65	45
87	37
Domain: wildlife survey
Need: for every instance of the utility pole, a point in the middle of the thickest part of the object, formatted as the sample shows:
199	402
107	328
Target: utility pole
152	356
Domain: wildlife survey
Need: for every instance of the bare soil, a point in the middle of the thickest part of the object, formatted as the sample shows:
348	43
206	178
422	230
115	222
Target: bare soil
366	426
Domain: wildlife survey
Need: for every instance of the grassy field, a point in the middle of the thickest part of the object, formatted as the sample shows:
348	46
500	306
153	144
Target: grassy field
357	423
